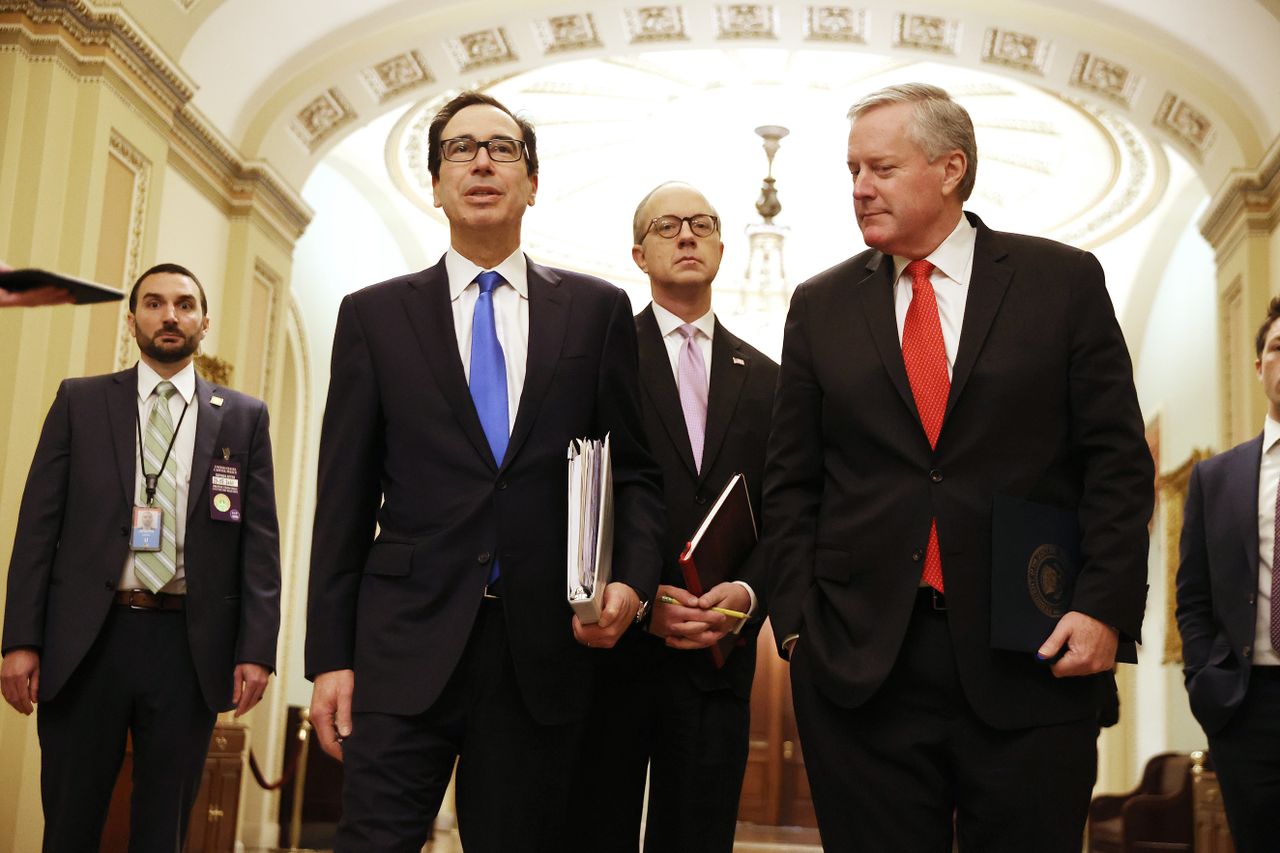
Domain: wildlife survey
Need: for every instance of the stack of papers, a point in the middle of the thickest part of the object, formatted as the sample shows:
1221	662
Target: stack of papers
590	526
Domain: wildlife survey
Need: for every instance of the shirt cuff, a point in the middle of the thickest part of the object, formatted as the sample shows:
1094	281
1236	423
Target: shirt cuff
750	610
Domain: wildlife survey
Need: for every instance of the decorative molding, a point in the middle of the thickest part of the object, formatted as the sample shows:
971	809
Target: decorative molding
133	160
1250	197
1104	77
564	33
1135	167
481	49
1019	51
398	74
106	43
94	30
927	32
656	23
245	185
1186	124
215	370
1231	343
746	21
321	118
835	23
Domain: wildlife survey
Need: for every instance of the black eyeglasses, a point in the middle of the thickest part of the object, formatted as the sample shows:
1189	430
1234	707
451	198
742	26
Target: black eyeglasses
463	149
701	224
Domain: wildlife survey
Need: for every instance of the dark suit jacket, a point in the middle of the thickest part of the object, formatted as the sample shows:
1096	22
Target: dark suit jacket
402	448
1042	405
1218	582
739	408
73	534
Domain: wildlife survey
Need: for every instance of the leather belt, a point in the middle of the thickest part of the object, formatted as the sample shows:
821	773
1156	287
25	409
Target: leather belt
141	599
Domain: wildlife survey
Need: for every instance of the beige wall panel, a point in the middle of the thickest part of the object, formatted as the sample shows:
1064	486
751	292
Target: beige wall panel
194	232
112	260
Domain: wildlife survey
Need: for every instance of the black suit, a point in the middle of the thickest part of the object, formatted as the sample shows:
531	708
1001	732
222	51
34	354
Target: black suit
402	448
68	553
1236	702
671	707
1041	405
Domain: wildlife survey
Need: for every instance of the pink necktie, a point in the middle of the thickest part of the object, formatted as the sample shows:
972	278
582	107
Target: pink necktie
925	355
692	379
1275	581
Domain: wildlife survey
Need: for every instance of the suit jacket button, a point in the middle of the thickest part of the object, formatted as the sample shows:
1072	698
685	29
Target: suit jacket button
484	557
935	475
700	500
502	485
124	531
1250	598
110	584
1248	650
917	555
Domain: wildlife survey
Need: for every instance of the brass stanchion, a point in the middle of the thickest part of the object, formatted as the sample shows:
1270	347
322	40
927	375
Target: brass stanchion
299	779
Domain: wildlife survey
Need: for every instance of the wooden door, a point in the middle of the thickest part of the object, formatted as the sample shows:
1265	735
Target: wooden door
775	790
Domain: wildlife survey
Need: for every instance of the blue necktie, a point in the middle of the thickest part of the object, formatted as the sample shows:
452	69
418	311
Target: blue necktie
489	376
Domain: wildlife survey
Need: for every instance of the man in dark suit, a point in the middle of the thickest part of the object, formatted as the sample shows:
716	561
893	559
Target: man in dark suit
151	642
1229	612
453	397
946	365
662	702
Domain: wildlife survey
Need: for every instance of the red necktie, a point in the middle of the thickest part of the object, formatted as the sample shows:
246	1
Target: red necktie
925	355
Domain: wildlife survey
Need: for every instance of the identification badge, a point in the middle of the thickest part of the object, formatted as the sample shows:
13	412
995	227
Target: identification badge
148	528
224	490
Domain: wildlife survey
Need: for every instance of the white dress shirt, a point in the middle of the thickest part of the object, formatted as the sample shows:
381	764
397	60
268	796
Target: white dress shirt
510	315
1268	477
669	327
953	266
184	447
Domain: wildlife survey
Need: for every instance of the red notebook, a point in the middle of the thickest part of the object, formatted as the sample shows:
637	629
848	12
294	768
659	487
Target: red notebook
721	544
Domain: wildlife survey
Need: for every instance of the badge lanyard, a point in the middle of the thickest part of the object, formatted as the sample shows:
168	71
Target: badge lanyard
152	479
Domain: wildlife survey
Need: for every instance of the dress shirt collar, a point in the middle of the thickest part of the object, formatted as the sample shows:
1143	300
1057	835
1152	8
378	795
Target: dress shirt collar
463	272
184	380
953	257
1270	434
668	322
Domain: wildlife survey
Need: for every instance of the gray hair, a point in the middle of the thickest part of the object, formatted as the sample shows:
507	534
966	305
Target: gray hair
938	124
640	225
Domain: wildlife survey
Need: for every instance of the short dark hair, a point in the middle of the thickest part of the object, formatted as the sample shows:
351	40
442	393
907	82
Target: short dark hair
177	269
470	99
1273	314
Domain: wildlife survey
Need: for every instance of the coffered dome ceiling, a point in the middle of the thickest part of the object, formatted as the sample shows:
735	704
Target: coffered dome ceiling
610	129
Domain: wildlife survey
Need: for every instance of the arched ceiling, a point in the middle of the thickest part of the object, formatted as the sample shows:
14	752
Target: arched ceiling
288	79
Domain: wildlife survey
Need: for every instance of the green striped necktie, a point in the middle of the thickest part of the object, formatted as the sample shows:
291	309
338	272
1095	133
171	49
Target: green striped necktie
157	568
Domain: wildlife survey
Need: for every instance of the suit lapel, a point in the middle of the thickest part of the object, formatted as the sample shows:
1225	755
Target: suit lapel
548	321
431	315
208	428
659	385
1244	469
987	285
876	292
122	418
729	366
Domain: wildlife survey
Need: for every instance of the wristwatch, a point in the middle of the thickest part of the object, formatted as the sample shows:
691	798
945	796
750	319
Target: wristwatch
642	614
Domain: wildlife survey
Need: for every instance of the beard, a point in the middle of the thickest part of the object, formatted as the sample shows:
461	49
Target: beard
168	352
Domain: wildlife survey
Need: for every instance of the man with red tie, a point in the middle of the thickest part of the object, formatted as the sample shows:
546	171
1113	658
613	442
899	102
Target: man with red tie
946	365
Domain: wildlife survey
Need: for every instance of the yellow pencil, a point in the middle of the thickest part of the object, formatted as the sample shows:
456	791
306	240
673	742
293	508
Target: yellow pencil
736	614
